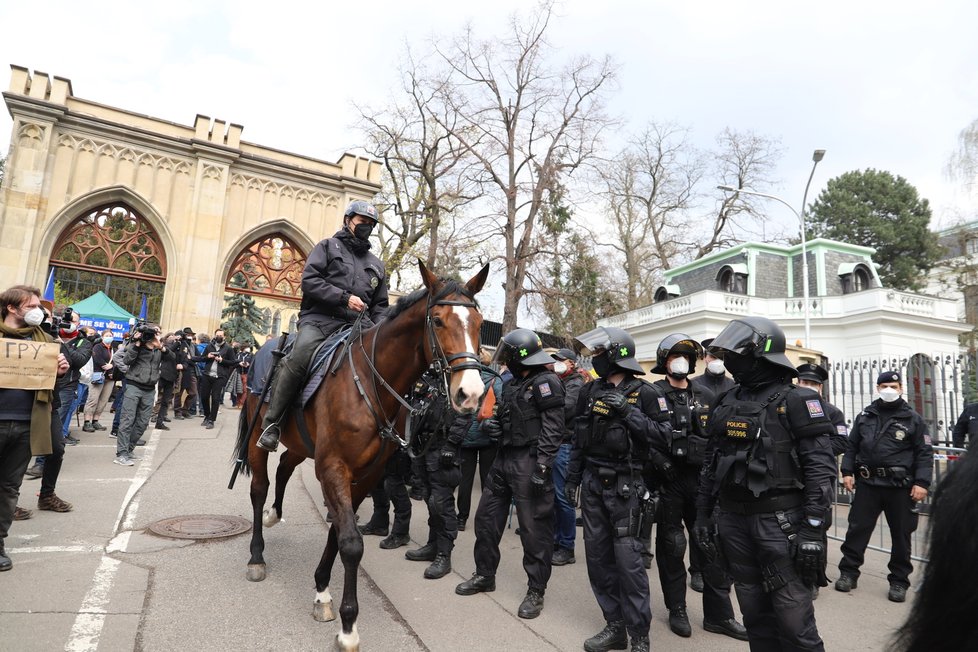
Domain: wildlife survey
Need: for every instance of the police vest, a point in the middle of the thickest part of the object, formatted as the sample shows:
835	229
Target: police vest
756	450
519	411
689	437
604	434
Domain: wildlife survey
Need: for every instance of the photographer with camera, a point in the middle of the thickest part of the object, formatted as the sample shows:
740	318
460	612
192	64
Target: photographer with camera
185	389
219	360
141	360
170	370
25	415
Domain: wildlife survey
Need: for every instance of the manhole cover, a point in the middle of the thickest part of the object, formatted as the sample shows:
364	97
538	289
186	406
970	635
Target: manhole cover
200	526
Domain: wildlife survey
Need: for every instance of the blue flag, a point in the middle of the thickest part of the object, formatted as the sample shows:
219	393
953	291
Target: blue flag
142	309
49	288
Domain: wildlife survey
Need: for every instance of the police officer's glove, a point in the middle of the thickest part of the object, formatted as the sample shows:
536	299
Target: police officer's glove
810	556
616	401
665	468
703	531
492	429
540	480
446	458
570	492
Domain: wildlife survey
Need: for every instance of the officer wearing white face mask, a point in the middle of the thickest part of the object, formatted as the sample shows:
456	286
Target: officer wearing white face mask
686	407
890	464
715	377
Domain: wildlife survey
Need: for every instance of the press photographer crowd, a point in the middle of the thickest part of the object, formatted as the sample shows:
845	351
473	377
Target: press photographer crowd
145	375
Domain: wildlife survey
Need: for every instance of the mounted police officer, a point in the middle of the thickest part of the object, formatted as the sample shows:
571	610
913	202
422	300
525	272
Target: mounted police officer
771	471
891	456
341	280
613	432
529	425
686	406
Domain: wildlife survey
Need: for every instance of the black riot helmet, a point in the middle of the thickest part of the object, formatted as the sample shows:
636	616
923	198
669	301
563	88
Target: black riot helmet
520	348
677	343
360	207
618	344
756	338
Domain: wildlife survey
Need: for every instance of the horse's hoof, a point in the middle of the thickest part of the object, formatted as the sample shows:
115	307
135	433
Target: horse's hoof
256	572
323	612
348	642
270	517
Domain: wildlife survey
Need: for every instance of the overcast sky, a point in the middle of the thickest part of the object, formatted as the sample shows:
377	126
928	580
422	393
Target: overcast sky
881	84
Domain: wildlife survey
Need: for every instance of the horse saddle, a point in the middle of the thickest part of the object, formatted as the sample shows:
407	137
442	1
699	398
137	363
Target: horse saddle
318	367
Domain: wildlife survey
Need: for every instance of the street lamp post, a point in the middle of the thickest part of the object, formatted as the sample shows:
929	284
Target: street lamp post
817	156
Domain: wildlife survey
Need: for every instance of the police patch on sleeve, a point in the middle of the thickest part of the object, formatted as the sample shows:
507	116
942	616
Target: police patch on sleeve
815	408
842	429
663	406
544	389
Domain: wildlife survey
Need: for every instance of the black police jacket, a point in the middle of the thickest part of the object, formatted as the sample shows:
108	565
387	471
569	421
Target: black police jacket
840	437
769	440
687	410
531	412
604	438
716	384
966	427
885	437
332	274
573	383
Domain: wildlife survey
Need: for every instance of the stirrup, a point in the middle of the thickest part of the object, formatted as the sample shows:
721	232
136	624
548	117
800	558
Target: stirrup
269	438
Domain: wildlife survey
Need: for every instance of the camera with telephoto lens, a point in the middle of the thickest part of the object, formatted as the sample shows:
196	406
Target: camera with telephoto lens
142	328
65	321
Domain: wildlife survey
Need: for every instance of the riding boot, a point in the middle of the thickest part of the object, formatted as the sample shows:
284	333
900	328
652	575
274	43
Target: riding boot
284	387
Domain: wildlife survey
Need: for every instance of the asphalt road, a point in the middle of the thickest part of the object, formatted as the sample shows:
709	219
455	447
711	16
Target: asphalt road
97	579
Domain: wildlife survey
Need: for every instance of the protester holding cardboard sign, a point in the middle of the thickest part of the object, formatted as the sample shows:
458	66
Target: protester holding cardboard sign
25	414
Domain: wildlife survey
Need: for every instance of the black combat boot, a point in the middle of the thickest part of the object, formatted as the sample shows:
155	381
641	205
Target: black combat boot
532	604
476	584
375	527
729	627
426	552
5	563
696	581
439	568
846	583
395	541
679	622
612	637
640	644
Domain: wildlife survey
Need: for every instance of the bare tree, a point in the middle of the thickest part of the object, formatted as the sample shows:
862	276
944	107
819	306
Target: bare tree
743	160
962	165
425	181
526	124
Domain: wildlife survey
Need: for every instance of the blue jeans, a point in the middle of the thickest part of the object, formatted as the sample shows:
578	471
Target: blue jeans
565	528
79	398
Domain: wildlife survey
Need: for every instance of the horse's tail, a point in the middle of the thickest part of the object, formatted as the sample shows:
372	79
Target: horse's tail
239	456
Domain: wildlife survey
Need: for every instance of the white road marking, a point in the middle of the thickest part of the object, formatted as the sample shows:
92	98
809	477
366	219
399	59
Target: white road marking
41	549
87	628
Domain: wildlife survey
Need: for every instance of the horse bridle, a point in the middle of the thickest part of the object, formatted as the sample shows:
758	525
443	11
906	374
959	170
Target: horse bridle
441	362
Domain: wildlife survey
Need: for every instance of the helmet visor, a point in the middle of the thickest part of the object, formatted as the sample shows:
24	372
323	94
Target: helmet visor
503	354
738	337
592	342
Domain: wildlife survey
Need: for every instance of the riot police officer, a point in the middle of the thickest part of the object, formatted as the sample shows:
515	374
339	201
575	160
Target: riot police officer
685	411
769	473
890	452
714	377
436	463
529	425
613	433
341	279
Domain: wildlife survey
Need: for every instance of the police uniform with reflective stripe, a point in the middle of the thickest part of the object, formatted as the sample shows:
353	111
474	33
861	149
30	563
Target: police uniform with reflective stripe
772	467
607	458
687	410
889	452
531	412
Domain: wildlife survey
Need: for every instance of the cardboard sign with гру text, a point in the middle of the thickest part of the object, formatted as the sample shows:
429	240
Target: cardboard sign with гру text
25	364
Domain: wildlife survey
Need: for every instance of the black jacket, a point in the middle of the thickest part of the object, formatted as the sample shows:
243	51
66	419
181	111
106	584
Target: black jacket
229	361
966	427
573	383
168	364
716	384
78	350
332	274
886	436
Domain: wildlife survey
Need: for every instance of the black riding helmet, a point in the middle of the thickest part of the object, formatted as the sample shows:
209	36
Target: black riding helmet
360	207
677	343
753	337
619	345
521	348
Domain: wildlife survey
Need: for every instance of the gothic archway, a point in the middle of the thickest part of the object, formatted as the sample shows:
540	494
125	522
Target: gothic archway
269	270
114	249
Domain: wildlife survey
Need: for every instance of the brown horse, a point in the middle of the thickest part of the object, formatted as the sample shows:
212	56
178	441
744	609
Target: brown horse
438	324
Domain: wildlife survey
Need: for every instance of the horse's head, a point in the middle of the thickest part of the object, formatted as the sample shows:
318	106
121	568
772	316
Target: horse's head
454	322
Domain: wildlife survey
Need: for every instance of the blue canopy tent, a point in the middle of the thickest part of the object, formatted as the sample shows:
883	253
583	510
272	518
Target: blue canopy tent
101	312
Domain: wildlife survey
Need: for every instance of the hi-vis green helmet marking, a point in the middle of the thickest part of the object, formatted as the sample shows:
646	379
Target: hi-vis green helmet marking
523	353
767	346
623	351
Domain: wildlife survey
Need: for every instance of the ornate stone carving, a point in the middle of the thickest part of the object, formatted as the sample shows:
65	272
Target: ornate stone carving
276	189
117	152
30	135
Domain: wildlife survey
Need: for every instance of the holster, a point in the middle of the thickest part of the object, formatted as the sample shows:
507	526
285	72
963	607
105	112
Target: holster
608	477
776	575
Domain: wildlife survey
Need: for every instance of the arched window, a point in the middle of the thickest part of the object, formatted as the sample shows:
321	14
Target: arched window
277	322
732	279
271	265
856	277
293	322
114	249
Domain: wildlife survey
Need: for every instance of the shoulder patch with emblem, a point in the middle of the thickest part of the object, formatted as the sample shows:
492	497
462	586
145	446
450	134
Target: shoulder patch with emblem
842	430
900	435
815	408
663	406
374	281
544	389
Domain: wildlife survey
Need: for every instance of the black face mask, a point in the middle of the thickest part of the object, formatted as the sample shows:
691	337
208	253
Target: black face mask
218	340
602	366
749	371
363	231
